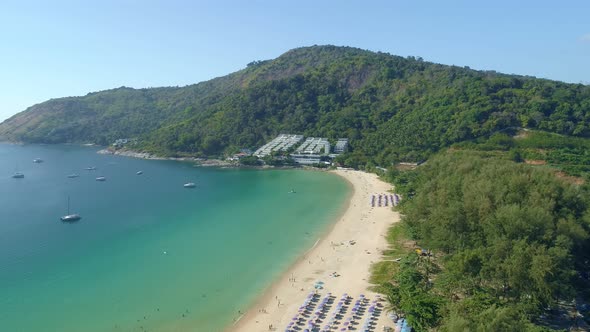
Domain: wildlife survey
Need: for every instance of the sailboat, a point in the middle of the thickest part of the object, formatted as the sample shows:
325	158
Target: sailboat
70	217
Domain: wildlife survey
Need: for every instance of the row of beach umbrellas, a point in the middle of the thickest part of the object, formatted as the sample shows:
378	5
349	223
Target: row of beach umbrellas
311	317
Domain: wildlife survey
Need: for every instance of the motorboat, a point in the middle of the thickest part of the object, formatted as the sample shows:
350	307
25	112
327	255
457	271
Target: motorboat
190	185
73	175
18	175
37	160
91	168
101	178
139	172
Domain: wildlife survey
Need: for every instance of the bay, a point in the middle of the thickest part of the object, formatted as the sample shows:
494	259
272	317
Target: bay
148	253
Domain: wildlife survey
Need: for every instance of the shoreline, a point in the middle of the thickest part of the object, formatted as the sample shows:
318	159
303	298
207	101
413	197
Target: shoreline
266	294
332	252
199	162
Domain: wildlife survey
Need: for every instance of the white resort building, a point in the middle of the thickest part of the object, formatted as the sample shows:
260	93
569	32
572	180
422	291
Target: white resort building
283	142
341	145
312	151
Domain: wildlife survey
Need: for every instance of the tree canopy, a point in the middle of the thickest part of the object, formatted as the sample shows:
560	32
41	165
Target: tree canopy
508	241
391	108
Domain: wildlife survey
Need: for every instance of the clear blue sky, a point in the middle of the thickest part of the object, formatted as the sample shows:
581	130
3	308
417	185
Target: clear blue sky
52	49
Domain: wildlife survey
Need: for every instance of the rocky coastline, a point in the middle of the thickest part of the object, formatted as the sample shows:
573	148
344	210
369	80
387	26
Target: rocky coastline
145	155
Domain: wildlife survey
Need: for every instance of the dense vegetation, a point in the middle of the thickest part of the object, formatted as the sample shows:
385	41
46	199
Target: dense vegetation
568	154
392	108
508	242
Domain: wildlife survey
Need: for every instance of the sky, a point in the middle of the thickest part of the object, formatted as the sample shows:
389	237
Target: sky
51	49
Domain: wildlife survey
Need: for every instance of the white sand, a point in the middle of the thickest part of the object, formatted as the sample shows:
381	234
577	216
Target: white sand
361	223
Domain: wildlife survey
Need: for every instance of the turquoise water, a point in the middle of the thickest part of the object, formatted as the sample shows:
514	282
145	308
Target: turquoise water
148	254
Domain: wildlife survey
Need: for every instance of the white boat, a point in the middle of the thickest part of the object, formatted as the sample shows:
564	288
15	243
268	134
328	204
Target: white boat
190	185
73	175
18	175
37	160
139	172
70	217
101	178
91	168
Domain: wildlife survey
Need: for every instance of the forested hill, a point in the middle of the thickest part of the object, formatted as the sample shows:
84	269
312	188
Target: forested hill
392	108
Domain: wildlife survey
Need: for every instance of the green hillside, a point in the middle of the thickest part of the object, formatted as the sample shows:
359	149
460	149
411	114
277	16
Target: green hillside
392	108
502	206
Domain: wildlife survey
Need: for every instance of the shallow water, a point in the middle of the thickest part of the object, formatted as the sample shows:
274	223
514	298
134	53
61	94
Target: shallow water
148	254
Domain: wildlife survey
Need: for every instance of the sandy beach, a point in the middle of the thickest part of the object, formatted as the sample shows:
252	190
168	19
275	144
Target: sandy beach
366	226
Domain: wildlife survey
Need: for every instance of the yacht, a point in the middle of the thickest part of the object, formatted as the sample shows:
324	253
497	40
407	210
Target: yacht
18	175
190	185
70	217
101	178
37	160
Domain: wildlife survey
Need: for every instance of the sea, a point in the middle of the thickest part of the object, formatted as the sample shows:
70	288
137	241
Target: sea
148	254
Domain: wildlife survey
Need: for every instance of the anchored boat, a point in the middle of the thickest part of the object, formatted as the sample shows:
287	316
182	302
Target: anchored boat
70	217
